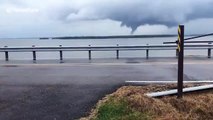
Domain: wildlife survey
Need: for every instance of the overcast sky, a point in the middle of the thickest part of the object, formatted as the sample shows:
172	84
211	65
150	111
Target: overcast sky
38	18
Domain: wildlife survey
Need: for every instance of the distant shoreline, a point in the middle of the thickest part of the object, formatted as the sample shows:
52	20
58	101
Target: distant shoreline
101	37
108	37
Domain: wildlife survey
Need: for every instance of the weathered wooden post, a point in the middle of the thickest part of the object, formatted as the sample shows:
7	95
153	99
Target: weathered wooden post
34	53
61	54
147	51
180	60
209	51
117	52
177	52
6	54
90	56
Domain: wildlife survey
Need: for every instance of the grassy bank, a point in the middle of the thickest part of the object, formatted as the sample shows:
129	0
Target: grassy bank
129	103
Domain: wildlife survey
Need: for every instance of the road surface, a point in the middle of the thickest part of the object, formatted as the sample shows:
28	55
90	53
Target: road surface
53	91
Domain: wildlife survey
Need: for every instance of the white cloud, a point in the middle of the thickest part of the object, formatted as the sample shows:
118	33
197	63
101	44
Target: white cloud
21	10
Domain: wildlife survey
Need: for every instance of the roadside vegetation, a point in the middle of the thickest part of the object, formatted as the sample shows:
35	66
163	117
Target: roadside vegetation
130	103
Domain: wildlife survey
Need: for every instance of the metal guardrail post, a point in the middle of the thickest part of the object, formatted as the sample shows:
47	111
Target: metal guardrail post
117	52
209	51
34	54
61	54
147	52
180	60
6	54
90	56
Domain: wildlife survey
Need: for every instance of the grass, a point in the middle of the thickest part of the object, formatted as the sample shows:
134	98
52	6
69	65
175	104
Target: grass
129	103
119	110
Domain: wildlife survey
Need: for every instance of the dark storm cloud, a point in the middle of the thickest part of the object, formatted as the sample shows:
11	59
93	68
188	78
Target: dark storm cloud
75	16
134	13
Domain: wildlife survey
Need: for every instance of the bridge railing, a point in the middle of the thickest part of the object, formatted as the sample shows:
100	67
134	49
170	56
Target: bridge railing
90	48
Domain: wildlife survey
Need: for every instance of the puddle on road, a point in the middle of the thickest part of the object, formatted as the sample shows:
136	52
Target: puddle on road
9	66
132	61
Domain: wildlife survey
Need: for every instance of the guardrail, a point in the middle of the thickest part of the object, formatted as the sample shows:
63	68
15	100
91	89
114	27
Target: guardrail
90	48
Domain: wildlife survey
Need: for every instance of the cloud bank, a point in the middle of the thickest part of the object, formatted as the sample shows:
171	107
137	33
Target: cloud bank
43	15
134	13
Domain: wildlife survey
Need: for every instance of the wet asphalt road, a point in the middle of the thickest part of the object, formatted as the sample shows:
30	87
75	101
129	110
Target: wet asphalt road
68	91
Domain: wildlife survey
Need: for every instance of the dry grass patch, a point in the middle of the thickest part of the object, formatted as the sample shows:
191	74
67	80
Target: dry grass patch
129	103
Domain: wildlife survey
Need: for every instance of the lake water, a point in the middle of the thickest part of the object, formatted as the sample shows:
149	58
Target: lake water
94	42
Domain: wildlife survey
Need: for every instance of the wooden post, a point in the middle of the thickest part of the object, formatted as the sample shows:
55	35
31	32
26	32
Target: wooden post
209	52
61	54
147	52
180	60
177	52
6	54
117	52
90	56
34	53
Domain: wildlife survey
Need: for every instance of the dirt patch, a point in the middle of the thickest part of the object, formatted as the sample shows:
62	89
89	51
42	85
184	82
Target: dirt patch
193	106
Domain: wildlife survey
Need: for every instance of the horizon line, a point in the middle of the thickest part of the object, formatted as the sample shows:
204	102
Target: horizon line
101	36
